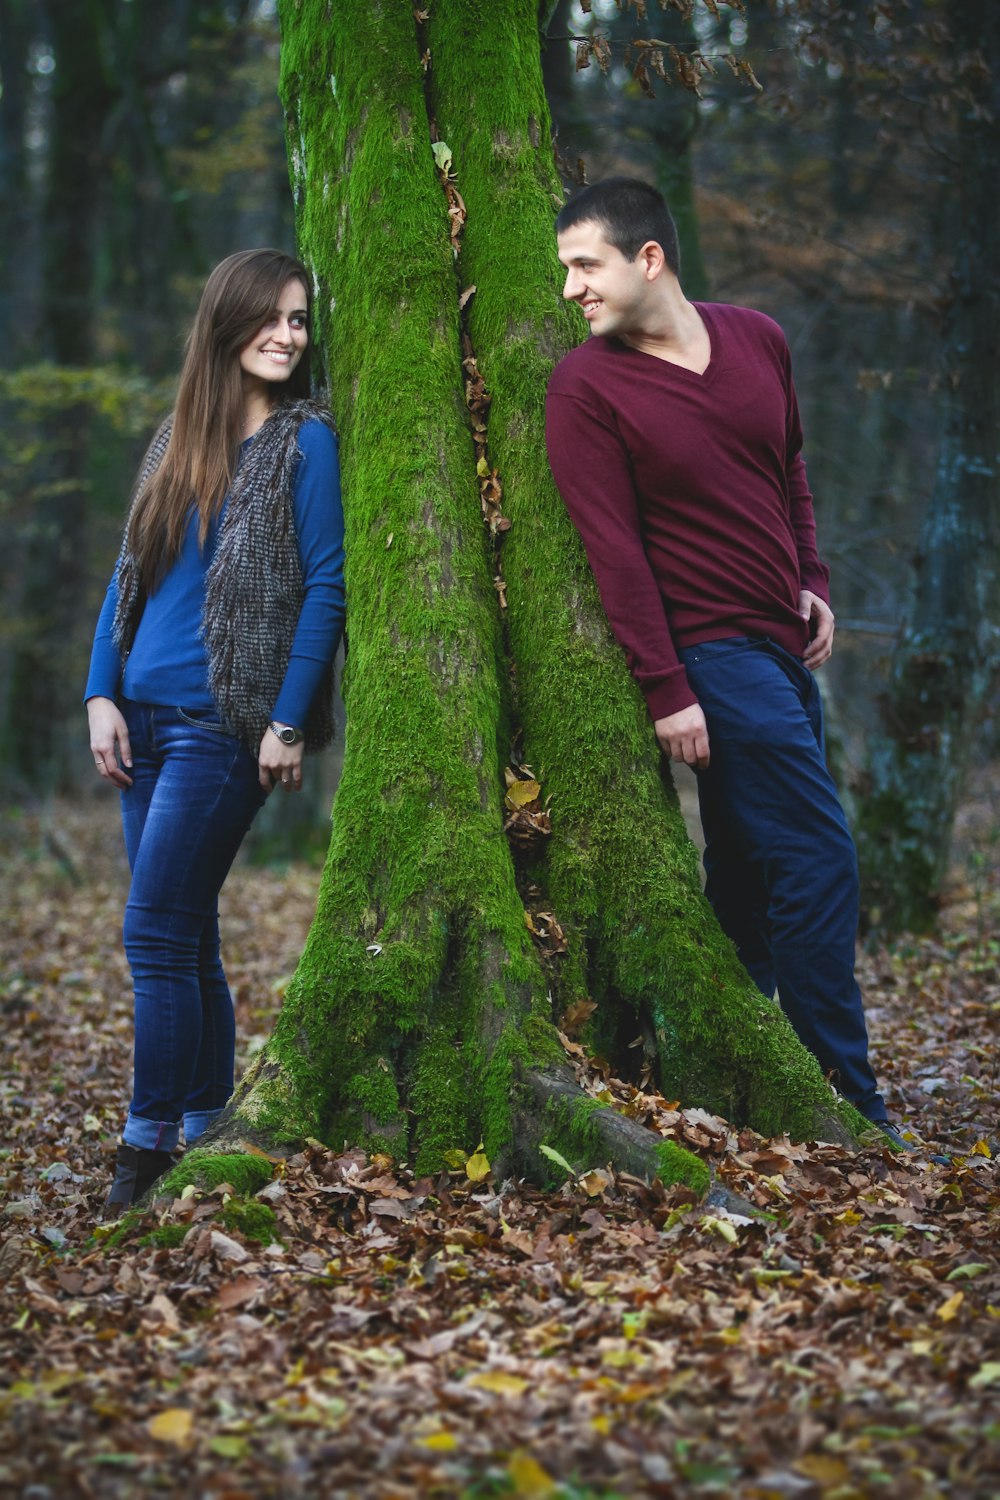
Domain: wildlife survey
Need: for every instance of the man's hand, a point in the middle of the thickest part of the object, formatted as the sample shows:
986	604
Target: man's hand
820	648
684	736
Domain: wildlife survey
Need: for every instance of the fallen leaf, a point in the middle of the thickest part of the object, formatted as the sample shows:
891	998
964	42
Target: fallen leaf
478	1168
987	1374
440	1442
499	1382
171	1426
529	1478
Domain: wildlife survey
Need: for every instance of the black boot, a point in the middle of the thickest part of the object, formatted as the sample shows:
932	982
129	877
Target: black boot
135	1172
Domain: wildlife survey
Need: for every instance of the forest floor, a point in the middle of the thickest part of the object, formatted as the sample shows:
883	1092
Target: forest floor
472	1338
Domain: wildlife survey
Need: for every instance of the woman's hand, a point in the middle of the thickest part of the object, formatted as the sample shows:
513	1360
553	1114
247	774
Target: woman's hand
109	741
280	762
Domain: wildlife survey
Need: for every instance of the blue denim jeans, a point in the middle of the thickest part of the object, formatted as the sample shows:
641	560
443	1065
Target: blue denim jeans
780	865
193	796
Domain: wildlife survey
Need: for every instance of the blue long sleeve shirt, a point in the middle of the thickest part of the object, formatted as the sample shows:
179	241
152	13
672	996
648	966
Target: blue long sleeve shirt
168	664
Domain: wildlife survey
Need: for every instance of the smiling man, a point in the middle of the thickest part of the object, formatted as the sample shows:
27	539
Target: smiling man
674	438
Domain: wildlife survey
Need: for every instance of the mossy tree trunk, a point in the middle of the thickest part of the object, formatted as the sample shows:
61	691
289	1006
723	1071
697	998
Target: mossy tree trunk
421	1017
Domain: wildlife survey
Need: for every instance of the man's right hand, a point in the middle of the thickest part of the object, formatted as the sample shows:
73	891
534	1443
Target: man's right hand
684	736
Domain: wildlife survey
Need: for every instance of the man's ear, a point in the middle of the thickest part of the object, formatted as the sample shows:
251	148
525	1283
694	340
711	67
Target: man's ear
652	259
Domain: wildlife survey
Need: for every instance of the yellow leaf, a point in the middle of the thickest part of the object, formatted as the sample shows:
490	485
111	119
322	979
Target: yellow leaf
721	1227
949	1309
529	1478
987	1374
171	1426
602	1425
456	1159
849	1216
922	1346
440	1442
520	793
499	1382
477	1168
594	1182
824	1468
482	468
981	1149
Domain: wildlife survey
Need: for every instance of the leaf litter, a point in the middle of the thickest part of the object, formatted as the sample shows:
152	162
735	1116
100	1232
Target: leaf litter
461	1336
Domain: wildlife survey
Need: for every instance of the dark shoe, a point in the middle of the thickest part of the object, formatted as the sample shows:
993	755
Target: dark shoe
135	1172
902	1144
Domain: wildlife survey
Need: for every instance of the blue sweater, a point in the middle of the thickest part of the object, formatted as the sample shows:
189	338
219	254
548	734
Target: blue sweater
167	664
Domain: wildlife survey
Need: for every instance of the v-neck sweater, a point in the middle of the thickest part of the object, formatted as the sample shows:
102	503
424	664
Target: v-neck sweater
690	493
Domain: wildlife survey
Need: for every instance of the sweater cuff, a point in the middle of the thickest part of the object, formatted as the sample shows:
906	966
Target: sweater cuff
817	583
669	695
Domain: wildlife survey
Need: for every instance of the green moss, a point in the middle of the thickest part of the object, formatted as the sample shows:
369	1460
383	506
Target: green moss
441	1095
254	1220
674	1164
208	1169
166	1236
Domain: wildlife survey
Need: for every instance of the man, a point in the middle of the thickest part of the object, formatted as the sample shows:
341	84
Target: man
674	439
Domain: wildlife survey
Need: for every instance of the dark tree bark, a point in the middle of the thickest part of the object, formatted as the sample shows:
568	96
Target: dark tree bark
946	659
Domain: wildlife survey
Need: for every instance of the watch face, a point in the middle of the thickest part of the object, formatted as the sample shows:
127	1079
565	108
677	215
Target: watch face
288	735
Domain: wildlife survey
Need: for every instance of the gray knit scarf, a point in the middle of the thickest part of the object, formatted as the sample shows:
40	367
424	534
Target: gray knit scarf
253	587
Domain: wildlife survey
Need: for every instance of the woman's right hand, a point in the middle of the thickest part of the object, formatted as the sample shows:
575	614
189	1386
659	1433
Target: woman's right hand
109	741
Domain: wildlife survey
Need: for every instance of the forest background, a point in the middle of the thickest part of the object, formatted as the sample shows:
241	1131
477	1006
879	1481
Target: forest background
355	1327
822	176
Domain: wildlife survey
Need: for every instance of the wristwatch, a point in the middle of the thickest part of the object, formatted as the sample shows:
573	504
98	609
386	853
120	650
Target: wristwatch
287	733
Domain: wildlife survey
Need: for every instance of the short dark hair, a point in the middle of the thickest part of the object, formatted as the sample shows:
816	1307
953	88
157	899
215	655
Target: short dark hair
630	212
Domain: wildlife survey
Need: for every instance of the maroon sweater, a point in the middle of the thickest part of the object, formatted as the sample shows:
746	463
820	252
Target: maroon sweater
689	492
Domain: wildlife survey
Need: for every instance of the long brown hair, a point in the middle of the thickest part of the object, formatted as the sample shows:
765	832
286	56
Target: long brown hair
198	466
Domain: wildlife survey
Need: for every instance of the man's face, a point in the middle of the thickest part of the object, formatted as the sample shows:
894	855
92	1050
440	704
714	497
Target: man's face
610	290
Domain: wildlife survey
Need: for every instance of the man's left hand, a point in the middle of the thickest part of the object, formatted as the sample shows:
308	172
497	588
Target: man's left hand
821	624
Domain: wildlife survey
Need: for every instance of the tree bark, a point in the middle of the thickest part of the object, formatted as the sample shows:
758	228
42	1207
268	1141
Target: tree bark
945	662
420	1019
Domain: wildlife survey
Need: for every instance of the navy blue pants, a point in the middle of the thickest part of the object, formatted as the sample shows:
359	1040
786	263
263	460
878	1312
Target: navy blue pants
781	870
193	796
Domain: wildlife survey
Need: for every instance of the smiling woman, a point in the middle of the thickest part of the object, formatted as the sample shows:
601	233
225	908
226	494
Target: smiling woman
276	348
211	672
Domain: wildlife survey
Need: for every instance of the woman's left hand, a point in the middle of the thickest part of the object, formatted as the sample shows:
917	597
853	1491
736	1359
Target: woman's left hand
278	762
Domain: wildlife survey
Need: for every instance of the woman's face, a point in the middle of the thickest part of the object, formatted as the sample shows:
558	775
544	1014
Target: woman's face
276	348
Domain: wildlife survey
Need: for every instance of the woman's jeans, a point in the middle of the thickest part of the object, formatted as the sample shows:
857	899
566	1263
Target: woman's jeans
193	796
781	870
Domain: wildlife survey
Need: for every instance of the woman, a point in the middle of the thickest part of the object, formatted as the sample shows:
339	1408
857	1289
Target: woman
212	672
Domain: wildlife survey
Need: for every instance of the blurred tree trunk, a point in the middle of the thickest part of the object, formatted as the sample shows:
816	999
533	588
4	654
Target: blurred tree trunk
421	1017
53	571
15	199
655	133
945	662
